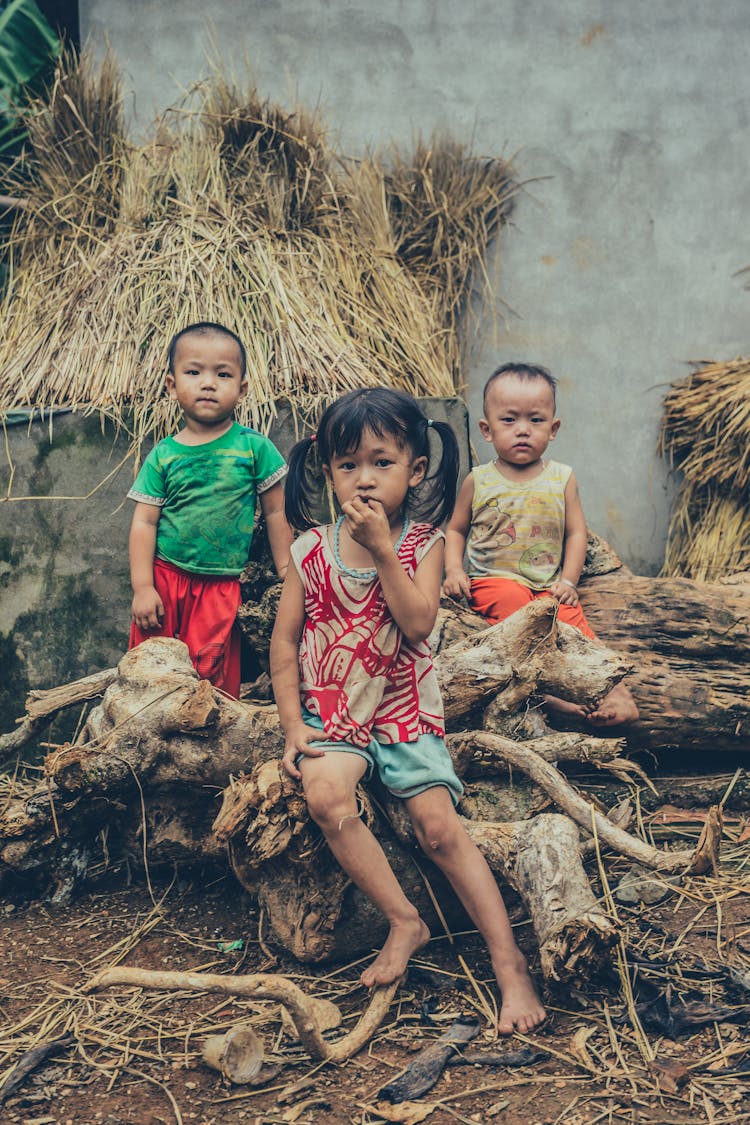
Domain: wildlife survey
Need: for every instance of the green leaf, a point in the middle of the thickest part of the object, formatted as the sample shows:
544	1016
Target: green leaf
28	49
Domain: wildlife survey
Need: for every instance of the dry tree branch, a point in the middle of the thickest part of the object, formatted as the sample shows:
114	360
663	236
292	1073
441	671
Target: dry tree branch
583	813
264	986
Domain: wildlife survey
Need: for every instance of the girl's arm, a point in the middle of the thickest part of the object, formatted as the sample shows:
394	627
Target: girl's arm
147	607
413	602
287	630
574	547
457	583
280	534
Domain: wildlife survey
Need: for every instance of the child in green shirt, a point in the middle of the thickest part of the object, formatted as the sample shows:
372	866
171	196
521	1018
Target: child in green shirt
196	497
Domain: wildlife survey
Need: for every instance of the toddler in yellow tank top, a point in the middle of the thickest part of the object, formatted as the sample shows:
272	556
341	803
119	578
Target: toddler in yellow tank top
520	521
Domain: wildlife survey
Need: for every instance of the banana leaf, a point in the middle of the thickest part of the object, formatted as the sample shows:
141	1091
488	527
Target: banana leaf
28	49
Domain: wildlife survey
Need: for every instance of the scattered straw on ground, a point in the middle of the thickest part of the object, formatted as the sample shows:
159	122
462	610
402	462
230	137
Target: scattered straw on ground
606	1063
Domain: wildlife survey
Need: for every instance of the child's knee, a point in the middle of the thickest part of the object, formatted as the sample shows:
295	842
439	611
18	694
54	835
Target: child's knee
436	833
329	802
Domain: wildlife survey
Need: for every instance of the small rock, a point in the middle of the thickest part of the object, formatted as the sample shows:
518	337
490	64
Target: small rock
670	1074
641	885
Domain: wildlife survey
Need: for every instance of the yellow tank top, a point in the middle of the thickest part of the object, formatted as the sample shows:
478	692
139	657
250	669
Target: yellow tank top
518	529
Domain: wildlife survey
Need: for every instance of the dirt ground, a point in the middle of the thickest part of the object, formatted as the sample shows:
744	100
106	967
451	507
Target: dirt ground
605	1055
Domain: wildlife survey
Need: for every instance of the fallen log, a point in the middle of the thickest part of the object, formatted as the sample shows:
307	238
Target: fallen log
278	853
690	646
163	743
687	643
530	652
161	736
159	723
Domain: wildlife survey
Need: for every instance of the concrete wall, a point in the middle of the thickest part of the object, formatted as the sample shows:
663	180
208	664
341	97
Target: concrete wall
64	585
629	118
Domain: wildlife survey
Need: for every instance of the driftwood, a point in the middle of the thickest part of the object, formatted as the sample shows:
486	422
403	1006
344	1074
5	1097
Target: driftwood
690	647
309	1016
162	738
142	783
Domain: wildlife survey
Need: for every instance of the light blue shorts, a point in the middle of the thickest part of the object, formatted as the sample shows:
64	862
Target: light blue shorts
404	768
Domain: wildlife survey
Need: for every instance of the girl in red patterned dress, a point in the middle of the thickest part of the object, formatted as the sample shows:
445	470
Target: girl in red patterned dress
352	672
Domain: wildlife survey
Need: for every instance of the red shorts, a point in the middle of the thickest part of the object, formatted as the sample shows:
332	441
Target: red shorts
201	611
497	598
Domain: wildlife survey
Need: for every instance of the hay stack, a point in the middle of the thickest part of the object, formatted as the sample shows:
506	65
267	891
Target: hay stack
706	432
336	274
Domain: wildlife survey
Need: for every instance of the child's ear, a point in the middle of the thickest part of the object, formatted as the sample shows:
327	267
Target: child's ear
170	385
554	428
418	470
243	388
484	429
326	471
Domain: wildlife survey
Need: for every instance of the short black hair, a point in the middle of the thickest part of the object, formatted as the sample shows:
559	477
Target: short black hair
525	372
205	328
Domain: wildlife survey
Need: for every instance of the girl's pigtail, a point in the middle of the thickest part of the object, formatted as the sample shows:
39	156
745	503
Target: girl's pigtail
443	482
301	487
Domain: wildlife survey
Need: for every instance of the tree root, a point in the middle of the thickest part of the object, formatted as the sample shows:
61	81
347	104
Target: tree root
698	862
308	1015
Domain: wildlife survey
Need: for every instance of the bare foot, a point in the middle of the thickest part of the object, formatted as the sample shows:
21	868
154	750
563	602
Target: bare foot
563	707
521	1010
615	709
404	939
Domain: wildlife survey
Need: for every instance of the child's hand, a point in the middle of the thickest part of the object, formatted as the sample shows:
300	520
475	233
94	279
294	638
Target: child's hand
147	609
565	594
298	739
457	584
367	524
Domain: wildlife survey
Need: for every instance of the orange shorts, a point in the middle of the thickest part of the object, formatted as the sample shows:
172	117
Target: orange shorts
497	598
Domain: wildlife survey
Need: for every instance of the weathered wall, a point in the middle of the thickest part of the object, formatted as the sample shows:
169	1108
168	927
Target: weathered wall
629	118
64	590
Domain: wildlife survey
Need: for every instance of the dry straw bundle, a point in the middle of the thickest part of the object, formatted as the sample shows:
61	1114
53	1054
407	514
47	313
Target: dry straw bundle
336	274
706	432
446	206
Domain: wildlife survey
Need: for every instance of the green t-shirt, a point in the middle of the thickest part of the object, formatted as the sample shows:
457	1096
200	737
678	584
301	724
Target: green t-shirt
208	495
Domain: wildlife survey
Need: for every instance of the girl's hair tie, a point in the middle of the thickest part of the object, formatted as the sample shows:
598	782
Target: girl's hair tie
313	438
430	422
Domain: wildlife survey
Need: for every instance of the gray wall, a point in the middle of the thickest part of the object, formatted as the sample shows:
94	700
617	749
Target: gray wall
630	118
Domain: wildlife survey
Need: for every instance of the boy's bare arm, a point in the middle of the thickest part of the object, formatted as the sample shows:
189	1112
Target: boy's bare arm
574	548
457	584
147	607
280	534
